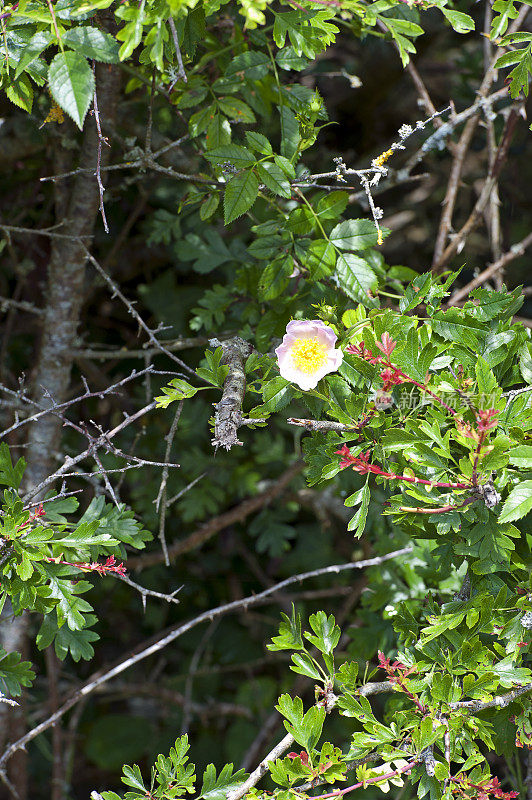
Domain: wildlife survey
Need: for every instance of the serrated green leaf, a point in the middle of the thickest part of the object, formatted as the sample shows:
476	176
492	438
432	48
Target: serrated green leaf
358	522
259	143
92	43
521	456
274	179
354	234
240	194
356	278
234	154
518	503
20	92
71	82
462	23
252	65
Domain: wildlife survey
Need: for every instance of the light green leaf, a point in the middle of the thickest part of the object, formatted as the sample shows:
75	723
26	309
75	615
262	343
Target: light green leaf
20	92
274	179
354	234
71	82
92	43
518	503
462	23
38	42
358	522
240	194
521	456
356	278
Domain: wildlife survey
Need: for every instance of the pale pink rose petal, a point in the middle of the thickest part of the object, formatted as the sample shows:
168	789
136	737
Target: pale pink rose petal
325	338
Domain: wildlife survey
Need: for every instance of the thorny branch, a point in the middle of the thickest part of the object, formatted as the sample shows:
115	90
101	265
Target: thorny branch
160	501
101	140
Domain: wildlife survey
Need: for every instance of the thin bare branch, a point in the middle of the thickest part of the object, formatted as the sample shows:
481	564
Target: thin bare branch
216	524
515	251
174	633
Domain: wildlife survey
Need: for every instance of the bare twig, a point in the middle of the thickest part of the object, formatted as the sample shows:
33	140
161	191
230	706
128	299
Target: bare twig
101	140
182	75
321	425
515	251
485	194
210	528
160	500
144	593
58	408
134	313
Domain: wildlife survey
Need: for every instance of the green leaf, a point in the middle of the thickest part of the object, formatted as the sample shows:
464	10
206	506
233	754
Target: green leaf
240	194
10	475
354	234
486	381
251	65
304	665
320	259
332	205
235	154
209	206
277	393
327	633
236	110
275	277
358	522
259	143
521	456
20	92
356	278
289	633
92	43
288	59
217	788
14	673
274	179
462	23
518	503
289	132
177	389
218	133
286	166
38	42
71	82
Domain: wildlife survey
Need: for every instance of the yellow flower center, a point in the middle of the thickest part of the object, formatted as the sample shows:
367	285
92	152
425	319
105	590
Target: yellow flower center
308	355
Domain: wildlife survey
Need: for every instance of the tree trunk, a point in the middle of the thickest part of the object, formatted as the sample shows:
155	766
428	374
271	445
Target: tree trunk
77	209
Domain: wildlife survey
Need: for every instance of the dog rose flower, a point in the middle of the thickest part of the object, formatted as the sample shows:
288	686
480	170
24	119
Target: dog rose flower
308	352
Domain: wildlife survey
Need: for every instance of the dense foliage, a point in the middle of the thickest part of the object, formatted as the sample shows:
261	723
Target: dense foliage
247	225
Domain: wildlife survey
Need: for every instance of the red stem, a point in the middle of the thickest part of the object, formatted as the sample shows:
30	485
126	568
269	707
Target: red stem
340	792
420	386
425	482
